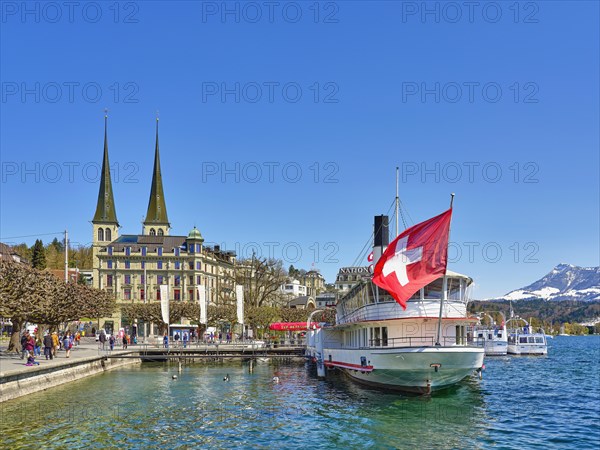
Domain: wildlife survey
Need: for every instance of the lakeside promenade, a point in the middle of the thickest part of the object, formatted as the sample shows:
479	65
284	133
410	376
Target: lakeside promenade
17	379
88	349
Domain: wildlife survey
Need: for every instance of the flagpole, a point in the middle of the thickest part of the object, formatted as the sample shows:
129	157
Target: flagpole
444	289
397	203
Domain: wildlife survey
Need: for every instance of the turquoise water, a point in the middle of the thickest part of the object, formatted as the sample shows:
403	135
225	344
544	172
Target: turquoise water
522	402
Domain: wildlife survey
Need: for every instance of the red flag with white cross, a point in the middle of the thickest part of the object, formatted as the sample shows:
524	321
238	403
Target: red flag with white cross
418	256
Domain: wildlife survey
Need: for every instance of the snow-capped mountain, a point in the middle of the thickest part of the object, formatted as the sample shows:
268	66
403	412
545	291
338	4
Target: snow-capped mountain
564	282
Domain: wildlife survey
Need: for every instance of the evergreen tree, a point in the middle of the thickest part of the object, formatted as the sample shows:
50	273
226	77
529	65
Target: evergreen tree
58	245
38	255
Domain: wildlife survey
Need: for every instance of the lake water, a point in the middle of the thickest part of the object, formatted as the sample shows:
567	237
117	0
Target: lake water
522	402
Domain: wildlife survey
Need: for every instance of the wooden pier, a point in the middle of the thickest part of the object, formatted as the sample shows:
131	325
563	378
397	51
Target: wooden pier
147	353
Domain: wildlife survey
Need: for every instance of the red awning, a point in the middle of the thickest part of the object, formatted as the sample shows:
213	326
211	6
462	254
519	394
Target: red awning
291	326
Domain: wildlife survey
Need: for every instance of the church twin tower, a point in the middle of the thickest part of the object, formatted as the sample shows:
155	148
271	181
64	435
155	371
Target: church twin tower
105	223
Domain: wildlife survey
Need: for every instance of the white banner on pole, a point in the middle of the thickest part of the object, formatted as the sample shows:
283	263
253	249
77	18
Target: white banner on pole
239	294
164	302
202	297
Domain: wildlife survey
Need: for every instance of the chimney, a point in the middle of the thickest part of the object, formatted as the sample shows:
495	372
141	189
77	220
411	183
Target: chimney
382	237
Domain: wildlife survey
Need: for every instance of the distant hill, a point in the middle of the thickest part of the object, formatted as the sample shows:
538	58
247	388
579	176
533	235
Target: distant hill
564	283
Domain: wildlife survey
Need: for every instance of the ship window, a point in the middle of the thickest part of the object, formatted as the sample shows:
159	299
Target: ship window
523	340
531	340
490	336
384	336
480	335
500	335
539	340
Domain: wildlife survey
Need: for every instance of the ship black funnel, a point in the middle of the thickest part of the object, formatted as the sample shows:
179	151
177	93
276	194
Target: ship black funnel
382	231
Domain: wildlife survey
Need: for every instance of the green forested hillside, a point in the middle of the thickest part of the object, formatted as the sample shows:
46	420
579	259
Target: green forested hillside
549	314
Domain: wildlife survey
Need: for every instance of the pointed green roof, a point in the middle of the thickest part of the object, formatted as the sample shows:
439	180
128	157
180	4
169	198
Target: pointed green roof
157	208
105	209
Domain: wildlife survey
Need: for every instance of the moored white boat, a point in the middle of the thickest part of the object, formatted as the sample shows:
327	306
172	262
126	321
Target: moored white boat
493	337
522	341
420	349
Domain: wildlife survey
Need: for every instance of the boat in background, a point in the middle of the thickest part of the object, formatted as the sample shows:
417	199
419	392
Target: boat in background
493	337
522	341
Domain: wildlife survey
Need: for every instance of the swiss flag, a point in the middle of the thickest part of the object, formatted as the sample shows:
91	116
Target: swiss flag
417	257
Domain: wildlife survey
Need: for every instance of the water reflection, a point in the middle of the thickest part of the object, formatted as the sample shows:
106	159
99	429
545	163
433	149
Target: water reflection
537	401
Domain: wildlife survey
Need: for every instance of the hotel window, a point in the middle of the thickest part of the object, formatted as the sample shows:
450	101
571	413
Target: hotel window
127	264
159	264
142	294
127	279
109	264
144	250
127	294
158	294
159	279
198	248
143	279
177	249
159	250
177	294
177	280
143	264
191	248
177	264
128	251
198	265
191	264
198	279
191	279
191	294
109	279
110	250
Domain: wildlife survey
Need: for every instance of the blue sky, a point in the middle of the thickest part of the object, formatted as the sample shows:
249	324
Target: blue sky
280	129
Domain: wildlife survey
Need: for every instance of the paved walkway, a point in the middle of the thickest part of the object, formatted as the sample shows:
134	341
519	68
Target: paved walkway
88	349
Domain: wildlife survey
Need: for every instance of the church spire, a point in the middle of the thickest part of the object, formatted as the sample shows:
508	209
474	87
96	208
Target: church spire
105	209
157	208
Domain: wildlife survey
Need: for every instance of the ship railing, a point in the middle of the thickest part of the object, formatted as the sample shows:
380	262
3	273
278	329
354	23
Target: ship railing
423	341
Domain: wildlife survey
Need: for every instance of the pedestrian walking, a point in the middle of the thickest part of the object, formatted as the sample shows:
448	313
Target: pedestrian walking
102	338
48	346
185	340
124	342
67	343
55	343
37	350
24	340
166	341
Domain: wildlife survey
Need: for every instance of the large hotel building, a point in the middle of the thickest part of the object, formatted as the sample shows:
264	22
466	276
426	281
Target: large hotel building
133	266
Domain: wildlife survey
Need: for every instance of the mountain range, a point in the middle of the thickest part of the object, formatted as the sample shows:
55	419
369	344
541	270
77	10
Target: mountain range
564	282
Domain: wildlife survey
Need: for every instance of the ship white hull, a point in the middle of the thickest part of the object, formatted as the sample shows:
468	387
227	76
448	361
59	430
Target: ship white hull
416	369
527	349
496	348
